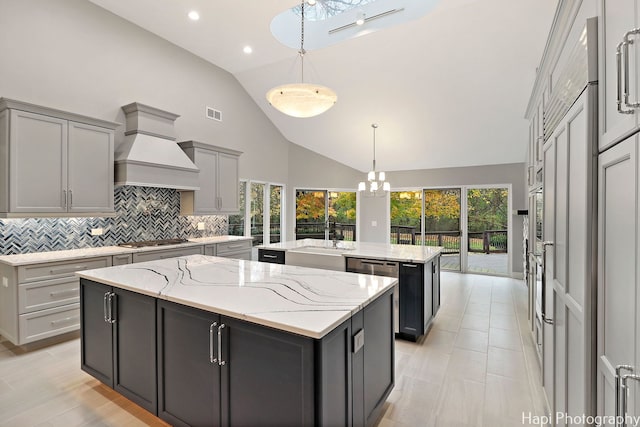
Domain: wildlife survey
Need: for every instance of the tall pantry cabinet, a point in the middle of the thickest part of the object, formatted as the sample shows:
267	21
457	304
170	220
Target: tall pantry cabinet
610	370
618	326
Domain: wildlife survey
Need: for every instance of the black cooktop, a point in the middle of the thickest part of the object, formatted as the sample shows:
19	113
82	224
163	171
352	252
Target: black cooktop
147	243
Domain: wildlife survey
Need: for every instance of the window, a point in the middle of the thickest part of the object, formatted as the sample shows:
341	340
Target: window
326	214
236	222
262	210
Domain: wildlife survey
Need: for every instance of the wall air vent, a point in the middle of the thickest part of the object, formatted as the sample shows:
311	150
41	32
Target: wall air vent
214	114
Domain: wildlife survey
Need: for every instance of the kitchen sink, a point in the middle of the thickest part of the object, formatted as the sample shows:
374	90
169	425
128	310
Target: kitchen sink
324	250
325	257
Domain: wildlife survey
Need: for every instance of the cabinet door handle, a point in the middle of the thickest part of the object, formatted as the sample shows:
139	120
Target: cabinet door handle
269	256
628	39
112	318
72	291
64	270
64	198
105	308
619	53
624	390
212	351
410	265
619	369
220	361
70	198
65	320
543	303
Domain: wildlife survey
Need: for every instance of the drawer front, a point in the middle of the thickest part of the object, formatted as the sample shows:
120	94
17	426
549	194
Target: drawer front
122	259
52	270
233	247
210	250
48	323
47	294
169	253
269	255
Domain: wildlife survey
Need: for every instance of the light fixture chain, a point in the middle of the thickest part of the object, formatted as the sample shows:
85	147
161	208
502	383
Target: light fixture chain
302	52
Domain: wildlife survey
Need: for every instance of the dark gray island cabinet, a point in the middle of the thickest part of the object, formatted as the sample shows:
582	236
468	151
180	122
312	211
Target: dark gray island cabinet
207	367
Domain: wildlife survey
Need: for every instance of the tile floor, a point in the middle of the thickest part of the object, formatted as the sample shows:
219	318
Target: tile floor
476	367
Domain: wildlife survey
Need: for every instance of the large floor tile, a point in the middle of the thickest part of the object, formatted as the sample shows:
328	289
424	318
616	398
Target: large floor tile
472	340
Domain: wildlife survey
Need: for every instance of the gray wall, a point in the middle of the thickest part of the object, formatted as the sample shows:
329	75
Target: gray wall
75	56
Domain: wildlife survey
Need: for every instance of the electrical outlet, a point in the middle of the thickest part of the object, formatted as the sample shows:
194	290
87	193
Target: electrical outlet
96	231
5	282
201	226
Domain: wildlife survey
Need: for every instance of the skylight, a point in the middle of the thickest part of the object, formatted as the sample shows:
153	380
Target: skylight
332	21
325	9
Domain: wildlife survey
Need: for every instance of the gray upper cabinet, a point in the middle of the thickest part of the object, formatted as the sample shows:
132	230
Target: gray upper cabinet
55	163
219	180
617	120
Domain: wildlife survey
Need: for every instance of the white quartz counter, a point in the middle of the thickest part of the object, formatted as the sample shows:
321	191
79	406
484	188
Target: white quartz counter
51	256
304	301
401	253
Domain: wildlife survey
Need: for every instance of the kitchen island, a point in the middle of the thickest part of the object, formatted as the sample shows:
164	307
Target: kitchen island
417	295
203	340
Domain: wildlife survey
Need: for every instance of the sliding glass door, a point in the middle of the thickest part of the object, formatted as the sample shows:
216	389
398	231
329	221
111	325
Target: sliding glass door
471	224
442	224
487	230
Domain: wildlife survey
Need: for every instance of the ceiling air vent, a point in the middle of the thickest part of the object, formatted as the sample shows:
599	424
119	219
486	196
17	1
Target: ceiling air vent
214	114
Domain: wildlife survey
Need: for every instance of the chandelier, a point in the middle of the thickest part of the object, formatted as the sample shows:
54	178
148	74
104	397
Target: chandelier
379	186
302	99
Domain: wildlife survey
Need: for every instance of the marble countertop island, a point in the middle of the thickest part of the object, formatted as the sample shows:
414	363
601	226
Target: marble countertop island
305	301
382	251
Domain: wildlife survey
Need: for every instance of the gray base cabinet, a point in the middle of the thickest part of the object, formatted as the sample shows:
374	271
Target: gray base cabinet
118	341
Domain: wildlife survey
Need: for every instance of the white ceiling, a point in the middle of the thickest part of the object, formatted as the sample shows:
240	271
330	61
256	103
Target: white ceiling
448	89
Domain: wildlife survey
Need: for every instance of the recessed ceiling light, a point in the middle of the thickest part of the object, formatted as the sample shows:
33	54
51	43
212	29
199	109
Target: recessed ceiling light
311	2
360	18
247	50
194	15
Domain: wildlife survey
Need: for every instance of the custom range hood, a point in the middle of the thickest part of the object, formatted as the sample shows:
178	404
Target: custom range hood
149	155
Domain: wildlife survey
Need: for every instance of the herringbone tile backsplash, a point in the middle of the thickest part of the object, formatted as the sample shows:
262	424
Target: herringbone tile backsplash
142	213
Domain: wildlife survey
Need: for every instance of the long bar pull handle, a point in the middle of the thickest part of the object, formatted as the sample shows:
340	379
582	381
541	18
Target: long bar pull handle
619	369
70	198
64	199
543	303
212	351
270	256
105	308
112	318
624	390
220	361
628	40
619	79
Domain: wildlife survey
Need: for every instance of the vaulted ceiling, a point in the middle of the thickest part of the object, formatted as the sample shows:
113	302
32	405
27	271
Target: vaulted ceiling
447	89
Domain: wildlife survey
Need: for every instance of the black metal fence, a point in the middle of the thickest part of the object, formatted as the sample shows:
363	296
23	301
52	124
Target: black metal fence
316	230
490	241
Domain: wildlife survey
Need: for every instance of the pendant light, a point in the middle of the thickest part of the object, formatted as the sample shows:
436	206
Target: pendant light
302	99
379	186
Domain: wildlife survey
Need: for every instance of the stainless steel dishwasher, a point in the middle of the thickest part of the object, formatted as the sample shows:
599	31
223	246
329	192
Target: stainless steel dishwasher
379	268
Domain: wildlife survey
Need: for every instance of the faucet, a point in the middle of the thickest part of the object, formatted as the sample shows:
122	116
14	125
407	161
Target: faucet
331	226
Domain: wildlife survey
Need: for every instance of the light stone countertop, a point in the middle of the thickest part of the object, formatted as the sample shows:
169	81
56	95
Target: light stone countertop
52	256
305	301
382	251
